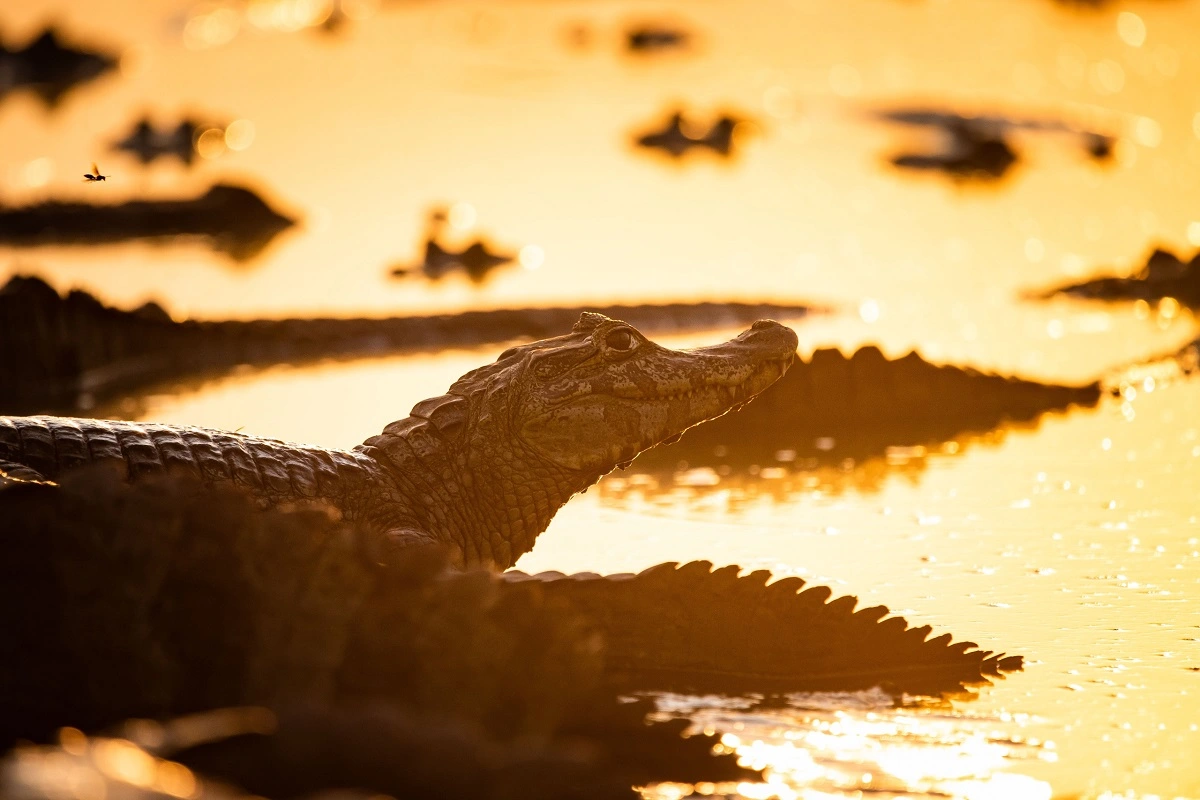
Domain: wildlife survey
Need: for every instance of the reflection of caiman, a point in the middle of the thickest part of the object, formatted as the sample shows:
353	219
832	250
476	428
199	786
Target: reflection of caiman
831	409
64	352
233	219
482	470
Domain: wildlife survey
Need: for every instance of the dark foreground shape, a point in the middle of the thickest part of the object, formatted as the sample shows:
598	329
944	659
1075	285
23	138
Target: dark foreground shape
1163	275
598	756
67	352
832	408
166	597
678	136
233	219
254	753
49	67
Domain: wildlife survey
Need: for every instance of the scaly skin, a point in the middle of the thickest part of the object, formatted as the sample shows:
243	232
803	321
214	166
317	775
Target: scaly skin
481	469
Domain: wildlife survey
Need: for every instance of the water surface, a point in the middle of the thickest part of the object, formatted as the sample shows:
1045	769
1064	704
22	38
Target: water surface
1074	543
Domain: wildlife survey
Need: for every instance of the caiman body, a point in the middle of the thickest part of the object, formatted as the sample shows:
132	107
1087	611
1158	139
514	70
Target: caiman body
480	470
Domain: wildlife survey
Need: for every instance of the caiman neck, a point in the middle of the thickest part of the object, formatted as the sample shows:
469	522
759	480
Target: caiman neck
487	500
517	494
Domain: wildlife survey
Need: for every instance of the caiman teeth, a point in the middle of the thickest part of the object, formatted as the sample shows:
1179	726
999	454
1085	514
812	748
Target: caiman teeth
729	390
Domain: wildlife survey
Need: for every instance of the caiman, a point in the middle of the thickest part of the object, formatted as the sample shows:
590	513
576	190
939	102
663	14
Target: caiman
480	470
159	595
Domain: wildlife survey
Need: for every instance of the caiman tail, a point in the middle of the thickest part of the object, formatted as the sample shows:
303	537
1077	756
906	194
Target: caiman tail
694	629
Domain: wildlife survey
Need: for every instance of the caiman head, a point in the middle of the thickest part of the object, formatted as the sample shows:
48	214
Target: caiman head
592	400
512	441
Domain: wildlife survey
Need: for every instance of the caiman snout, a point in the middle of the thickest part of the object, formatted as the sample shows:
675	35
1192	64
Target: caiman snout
769	331
766	341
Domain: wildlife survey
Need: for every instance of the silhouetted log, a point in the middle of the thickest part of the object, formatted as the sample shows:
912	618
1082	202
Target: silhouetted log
1163	275
60	350
831	408
233	219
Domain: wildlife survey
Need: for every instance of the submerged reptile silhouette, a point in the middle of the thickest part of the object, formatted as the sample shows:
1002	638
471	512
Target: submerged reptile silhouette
232	219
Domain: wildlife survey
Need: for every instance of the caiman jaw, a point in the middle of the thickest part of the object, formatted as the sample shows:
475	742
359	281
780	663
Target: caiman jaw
730	376
699	405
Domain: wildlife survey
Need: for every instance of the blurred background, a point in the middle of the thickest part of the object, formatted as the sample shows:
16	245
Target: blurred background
919	172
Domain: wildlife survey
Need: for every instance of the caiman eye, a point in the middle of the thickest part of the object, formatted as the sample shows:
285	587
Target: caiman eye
620	339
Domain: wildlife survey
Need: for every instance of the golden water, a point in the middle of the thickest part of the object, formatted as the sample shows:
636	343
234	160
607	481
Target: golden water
1076	543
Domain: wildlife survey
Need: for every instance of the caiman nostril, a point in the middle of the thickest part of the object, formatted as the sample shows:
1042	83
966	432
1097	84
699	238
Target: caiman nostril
765	324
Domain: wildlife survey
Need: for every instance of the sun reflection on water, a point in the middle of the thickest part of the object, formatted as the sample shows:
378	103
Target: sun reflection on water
842	745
